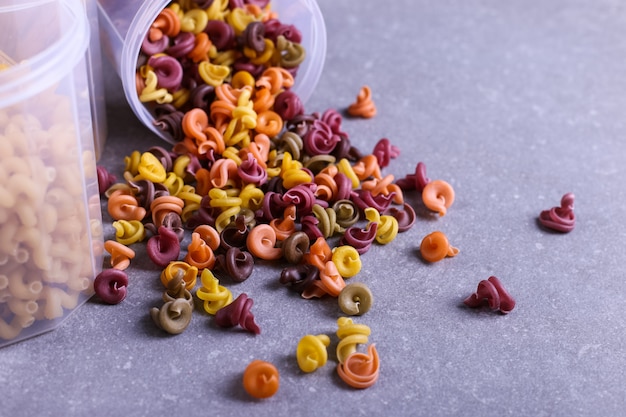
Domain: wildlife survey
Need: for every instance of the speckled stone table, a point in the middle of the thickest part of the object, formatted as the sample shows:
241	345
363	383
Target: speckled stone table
513	103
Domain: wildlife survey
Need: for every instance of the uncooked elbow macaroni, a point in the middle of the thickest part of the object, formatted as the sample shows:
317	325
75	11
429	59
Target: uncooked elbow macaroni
49	229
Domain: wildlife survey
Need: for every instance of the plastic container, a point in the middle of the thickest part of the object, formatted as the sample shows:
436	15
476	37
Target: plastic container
50	219
125	24
96	80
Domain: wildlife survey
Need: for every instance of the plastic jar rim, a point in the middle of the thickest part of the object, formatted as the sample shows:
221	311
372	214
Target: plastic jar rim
33	75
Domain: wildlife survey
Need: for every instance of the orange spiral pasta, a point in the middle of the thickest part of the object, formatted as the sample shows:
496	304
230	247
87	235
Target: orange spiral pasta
199	254
435	247
163	205
360	370
364	105
123	206
438	196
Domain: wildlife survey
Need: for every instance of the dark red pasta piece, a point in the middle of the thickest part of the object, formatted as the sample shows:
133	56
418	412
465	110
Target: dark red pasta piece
163	247
492	292
288	105
384	151
253	36
168	70
181	45
561	218
299	277
110	285
221	34
105	179
251	172
150	48
238	313
320	139
236	263
406	218
360	239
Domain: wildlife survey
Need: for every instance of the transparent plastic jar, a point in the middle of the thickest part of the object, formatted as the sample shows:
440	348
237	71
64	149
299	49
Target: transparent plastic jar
50	220
125	24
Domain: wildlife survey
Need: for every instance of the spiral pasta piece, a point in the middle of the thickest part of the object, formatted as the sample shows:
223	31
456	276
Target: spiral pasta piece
129	232
331	279
355	299
211	74
163	205
173	317
438	196
261	379
238	313
492	292
122	206
435	247
311	352
163	247
213	295
360	370
347	260
179	269
387	229
350	335
111	286
199	254
319	253
364	105
151	91
120	255
261	242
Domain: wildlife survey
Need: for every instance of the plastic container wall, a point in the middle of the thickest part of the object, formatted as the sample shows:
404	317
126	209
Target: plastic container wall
125	24
96	80
50	221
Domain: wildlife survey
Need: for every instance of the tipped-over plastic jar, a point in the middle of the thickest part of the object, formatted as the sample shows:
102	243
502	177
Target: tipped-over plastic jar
50	221
125	23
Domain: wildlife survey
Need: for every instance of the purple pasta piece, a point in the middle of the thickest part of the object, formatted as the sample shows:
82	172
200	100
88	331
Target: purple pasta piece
168	70
237	264
406	218
308	224
182	44
251	172
146	191
221	34
288	105
302	196
244	64
105	179
174	222
333	119
301	124
384	151
416	181
193	166
274	28
238	313
344	186
233	4
360	239
204	215
172	124
319	139
272	206
150	48
299	277
364	199
253	36
163	247
110	285
202	96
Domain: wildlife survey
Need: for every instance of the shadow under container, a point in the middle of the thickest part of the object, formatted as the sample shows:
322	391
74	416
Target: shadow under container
50	216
